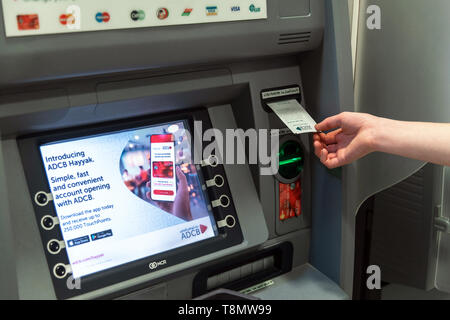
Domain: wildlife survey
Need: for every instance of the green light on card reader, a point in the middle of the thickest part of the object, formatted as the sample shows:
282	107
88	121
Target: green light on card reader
291	160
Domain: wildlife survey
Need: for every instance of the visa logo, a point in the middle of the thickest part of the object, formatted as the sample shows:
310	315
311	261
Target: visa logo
235	9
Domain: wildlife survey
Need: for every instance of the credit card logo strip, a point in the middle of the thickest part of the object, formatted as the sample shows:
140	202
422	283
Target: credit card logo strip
28	22
211	11
102	17
162	13
187	12
137	15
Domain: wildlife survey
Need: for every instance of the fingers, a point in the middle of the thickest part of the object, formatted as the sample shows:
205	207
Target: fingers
181	205
330	160
332	148
330	137
332	163
330	123
327	138
323	140
318	146
181	177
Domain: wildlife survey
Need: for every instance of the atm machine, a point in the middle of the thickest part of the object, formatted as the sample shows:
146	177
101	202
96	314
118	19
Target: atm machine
107	109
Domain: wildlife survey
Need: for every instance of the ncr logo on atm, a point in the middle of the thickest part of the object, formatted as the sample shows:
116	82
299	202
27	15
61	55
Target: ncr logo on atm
192	232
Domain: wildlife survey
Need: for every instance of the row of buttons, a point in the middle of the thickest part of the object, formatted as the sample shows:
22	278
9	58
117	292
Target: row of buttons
223	201
54	246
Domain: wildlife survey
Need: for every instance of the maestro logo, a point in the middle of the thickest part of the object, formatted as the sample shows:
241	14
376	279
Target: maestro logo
102	17
162	13
192	232
137	15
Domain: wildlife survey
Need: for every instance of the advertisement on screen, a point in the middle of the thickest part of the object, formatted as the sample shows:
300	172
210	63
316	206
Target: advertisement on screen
127	195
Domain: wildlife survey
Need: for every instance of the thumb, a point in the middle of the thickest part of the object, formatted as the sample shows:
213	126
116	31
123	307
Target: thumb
330	123
181	177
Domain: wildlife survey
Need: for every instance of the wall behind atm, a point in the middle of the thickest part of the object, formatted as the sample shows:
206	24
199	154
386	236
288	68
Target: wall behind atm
402	71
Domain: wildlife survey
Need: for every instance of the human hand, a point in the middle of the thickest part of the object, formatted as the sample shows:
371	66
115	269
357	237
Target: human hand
181	206
351	139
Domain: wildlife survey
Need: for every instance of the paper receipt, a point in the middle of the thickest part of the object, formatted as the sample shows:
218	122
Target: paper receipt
294	116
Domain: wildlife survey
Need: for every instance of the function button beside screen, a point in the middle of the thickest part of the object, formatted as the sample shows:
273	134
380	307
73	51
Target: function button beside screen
212	161
54	246
42	198
60	270
228	222
48	222
217	181
224	201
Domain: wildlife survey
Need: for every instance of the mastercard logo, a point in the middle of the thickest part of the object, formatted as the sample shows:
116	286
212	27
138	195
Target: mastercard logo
102	17
67	19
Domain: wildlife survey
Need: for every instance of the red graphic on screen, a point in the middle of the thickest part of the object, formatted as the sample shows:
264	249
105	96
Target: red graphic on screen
28	22
203	228
159	138
164	192
163	169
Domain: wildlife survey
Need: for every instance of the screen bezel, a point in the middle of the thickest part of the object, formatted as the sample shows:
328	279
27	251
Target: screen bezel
37	181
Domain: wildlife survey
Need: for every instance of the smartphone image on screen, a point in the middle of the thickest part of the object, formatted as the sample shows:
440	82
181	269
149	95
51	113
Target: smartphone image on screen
162	163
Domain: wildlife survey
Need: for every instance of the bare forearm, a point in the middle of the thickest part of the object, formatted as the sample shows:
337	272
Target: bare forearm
429	142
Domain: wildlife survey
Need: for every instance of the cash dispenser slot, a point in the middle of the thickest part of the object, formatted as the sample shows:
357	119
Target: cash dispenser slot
245	271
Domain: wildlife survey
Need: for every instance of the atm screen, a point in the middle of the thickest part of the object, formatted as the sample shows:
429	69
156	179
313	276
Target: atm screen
125	195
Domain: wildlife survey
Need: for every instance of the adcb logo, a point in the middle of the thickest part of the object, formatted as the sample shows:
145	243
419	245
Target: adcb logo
72	18
193	232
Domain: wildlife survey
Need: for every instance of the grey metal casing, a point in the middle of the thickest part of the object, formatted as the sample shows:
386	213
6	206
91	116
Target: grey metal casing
45	58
